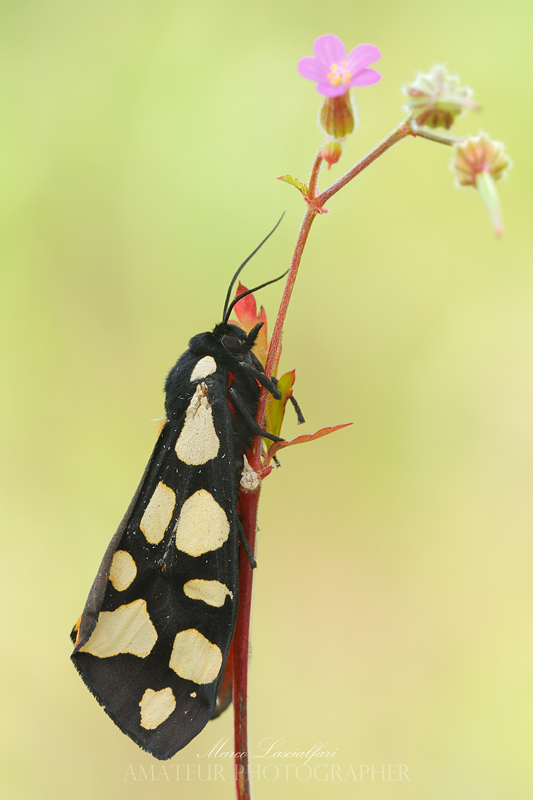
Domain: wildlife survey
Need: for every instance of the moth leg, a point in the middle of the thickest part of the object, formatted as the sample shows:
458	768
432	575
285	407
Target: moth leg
262	378
244	540
271	384
299	415
252	424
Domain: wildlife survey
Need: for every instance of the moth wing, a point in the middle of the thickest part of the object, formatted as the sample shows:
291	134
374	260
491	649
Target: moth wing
158	624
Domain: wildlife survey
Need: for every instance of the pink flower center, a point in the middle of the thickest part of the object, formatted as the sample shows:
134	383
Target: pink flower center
338	74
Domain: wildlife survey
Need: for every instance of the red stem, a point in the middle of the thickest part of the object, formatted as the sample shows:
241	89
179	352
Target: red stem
315	204
275	342
248	507
313	180
241	639
249	500
396	136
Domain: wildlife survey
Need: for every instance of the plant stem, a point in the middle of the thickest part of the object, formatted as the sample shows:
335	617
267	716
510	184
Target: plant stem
397	135
275	342
249	500
241	639
433	137
314	174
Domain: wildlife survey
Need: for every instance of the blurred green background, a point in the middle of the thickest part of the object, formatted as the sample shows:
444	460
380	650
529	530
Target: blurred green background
139	146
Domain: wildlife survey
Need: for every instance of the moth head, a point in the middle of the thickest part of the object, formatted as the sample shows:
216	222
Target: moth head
235	340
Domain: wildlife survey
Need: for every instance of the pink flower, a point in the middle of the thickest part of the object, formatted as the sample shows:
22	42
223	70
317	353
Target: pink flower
334	71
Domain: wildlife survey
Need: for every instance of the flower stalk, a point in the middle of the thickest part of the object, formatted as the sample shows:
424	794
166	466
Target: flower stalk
480	162
434	100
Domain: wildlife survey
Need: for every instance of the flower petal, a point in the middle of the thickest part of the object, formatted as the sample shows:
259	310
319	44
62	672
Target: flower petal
311	69
329	49
366	77
361	56
328	90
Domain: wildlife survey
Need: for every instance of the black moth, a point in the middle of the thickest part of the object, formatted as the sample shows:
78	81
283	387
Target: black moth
155	633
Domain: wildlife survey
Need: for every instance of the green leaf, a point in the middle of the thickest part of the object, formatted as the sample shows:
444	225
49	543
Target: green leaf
275	410
295	182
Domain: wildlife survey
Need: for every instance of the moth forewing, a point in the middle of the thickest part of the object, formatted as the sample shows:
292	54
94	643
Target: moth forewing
157	628
159	620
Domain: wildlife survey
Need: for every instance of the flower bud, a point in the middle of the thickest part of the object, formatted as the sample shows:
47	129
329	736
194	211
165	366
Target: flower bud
331	152
480	162
337	116
479	154
435	99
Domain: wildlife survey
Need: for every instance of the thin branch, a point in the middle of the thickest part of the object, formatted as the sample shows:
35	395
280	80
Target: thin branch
313	180
424	133
275	342
396	136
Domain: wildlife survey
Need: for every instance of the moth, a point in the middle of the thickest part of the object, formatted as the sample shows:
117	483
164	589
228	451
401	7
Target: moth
154	636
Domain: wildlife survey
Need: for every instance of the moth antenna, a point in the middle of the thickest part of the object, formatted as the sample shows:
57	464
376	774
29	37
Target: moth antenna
226	312
250	291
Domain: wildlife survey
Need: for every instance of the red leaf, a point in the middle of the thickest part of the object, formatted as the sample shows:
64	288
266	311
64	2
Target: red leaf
247	315
307	437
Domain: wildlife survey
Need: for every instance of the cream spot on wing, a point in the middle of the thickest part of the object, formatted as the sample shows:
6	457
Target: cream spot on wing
195	658
206	366
192	694
211	592
156	707
123	570
158	513
128	629
198	442
202	525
